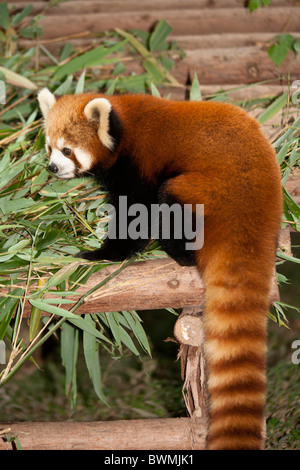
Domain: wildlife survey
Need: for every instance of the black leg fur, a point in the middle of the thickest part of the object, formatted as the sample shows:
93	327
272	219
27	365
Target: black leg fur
174	247
114	250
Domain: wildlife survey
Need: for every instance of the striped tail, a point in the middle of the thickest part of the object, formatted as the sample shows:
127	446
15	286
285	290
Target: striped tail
237	301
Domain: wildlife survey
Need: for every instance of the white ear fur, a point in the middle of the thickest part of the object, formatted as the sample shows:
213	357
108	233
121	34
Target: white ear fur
46	100
99	108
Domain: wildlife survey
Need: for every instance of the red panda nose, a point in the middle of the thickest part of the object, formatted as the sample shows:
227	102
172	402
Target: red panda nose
53	168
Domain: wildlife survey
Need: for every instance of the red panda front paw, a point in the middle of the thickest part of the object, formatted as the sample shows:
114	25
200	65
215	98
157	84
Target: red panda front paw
89	255
100	255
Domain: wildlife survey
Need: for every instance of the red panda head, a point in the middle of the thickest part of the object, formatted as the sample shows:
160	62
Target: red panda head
78	132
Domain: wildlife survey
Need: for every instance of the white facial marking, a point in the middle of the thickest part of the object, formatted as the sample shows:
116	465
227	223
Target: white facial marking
47	144
66	168
60	143
84	159
101	107
46	100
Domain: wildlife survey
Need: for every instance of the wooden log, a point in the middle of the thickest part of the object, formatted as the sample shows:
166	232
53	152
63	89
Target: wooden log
91	6
225	40
198	21
144	434
223	66
145	285
189	331
234	65
215	67
187	42
79	6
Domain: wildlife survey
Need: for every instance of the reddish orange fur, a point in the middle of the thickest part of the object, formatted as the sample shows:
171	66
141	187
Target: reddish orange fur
224	162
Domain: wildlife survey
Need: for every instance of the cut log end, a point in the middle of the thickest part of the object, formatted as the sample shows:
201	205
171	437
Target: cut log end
189	330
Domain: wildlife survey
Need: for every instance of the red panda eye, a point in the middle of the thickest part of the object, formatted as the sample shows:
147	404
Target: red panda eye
66	151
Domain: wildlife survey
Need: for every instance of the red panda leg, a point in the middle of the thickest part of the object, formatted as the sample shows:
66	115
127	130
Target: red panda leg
236	263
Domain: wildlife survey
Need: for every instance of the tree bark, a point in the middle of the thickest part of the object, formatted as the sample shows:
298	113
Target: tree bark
145	285
149	434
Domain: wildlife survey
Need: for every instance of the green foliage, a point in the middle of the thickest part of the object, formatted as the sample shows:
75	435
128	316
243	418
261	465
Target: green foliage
283	406
13	27
45	222
283	44
255	4
195	93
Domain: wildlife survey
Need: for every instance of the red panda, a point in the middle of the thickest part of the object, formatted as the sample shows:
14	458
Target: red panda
154	150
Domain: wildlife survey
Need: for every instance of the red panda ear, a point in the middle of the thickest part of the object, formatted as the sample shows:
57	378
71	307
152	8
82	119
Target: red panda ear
46	100
99	110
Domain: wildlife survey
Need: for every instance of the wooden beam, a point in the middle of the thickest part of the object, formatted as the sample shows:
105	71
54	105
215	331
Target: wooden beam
195	21
230	65
187	42
143	434
145	285
110	6
234	65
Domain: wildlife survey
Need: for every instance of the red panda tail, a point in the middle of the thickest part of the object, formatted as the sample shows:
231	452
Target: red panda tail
237	301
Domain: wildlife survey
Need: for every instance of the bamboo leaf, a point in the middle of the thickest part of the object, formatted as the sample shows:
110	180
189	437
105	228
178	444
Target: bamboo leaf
120	335
80	84
4	15
18	80
195	93
66	51
8	307
125	339
16	19
91	354
114	327
154	90
274	108
277	53
287	257
283	152
18	246
35	314
49	238
69	353
294	156
112	87
287	135
292	204
159	35
65	87
87	59
153	69
150	60
74	319
137	330
297	46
